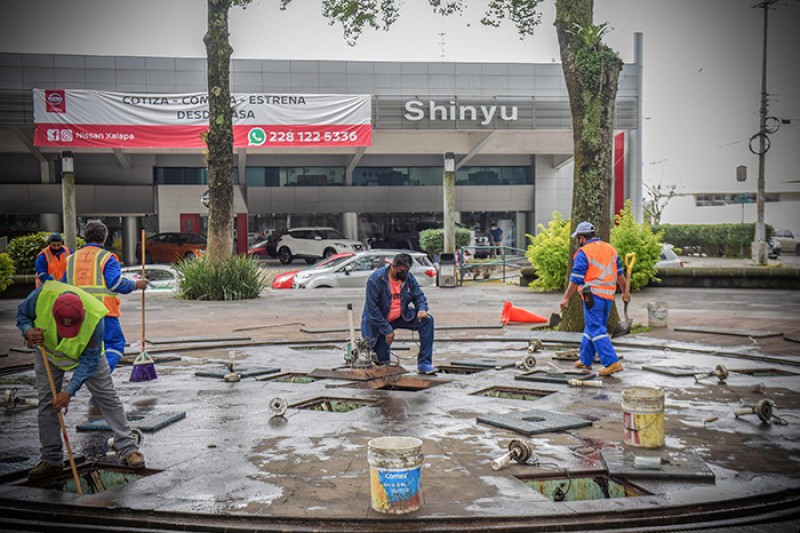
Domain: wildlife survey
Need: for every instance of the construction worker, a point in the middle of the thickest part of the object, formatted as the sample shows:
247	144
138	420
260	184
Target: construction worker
394	300
596	271
68	323
98	272
51	262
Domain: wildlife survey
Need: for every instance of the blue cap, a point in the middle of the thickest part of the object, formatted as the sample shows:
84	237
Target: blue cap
54	237
583	228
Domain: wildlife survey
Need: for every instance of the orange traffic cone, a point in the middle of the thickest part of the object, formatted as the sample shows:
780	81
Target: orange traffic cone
517	314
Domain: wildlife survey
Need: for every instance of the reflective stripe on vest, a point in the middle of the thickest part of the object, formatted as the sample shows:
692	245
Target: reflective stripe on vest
64	353
56	264
85	270
601	274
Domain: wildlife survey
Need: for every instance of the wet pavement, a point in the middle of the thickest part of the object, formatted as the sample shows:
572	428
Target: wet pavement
231	457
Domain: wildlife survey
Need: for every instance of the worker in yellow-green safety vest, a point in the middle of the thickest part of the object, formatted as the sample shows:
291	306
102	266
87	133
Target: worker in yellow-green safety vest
68	323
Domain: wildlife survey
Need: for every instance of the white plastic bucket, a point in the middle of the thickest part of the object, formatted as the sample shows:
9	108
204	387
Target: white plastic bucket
643	416
657	314
395	468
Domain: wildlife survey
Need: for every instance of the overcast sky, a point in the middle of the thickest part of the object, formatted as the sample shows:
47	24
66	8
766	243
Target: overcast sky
701	81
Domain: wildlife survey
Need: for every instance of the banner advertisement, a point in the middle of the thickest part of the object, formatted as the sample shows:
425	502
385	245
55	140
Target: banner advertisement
91	119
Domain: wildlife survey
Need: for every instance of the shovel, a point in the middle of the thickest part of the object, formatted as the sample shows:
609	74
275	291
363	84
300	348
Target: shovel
624	326
555	320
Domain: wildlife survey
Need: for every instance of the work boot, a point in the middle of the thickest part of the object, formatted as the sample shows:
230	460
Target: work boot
134	460
581	366
426	369
612	369
43	470
94	409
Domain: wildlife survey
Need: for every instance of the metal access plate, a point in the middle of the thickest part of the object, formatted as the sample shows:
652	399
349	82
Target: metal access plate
484	362
547	376
678	371
145	423
244	372
357	374
756	334
674	465
534	422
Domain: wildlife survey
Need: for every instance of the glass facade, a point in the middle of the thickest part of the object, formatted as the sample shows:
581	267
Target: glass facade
394	176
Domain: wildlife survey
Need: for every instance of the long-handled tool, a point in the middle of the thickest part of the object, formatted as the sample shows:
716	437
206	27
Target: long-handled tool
624	326
144	367
61	422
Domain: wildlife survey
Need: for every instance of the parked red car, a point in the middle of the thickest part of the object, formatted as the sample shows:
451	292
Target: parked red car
171	247
284	280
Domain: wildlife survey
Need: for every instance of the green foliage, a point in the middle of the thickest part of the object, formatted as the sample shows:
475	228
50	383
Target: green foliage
548	252
432	240
628	236
24	249
235	278
729	240
522	13
6	271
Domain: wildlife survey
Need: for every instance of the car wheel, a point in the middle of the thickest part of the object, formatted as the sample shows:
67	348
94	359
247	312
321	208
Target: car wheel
285	256
148	258
189	256
257	256
328	252
311	260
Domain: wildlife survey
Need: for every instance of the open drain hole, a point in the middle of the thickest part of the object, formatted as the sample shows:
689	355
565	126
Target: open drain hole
334	405
579	486
398	383
764	372
512	393
455	369
293	377
94	479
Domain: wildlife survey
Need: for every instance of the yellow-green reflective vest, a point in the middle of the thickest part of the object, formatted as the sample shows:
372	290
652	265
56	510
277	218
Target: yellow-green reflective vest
65	353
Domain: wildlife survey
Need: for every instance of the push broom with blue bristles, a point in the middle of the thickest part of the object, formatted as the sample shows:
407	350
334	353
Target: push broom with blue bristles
144	368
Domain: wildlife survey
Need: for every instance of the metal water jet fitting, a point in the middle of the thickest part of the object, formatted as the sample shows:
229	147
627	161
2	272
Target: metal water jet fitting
11	400
763	409
278	406
232	376
526	363
720	371
585	383
518	450
535	345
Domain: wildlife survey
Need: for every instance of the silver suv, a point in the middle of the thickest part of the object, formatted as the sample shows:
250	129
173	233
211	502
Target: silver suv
312	244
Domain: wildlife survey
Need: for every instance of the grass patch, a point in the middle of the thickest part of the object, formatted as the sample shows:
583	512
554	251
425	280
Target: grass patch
639	328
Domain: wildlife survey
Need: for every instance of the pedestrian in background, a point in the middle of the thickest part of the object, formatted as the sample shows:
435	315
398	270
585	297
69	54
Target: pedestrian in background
98	272
596	271
497	239
51	262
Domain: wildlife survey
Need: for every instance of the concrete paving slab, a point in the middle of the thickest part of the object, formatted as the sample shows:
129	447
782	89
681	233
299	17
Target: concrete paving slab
534	422
550	376
791	338
677	371
544	336
201	338
157	359
484	362
736	332
674	464
439	327
149	423
244	372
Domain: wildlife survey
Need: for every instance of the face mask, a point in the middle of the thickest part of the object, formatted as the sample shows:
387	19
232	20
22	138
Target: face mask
402	276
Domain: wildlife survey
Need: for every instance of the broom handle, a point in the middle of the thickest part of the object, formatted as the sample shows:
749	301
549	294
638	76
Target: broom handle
61	422
143	277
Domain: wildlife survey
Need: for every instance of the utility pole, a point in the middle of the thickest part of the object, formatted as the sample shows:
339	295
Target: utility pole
449	182
68	201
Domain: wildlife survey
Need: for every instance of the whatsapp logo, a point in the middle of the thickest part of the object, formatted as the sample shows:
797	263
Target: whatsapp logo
256	137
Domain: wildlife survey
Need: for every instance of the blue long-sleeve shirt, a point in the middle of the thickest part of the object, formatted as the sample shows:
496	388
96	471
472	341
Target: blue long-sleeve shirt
379	301
40	267
112	274
89	359
580	264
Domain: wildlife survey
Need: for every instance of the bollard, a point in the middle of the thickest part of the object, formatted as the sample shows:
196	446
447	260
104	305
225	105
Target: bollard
720	371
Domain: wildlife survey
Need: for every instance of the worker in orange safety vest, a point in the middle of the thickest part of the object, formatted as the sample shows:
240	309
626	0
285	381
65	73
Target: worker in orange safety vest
51	262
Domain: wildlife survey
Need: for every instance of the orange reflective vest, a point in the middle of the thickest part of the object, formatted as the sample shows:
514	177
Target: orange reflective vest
601	274
85	270
56	264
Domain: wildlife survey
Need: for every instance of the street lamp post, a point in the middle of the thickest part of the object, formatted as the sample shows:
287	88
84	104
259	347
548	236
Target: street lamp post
449	181
68	200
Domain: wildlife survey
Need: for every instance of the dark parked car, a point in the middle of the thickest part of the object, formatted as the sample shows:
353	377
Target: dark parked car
406	237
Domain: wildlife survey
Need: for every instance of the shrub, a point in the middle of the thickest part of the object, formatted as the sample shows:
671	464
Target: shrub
432	240
236	278
24	249
6	271
731	240
548	253
628	236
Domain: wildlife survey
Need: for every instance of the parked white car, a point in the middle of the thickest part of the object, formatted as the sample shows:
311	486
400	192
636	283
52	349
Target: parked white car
788	242
354	271
160	278
313	244
669	259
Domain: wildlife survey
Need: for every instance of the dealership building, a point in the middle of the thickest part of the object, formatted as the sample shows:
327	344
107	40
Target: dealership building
508	125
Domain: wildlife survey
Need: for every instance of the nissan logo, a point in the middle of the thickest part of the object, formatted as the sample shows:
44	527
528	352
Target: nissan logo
55	99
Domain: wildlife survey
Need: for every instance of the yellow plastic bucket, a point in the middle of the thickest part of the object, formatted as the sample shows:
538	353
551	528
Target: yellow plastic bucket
395	467
643	416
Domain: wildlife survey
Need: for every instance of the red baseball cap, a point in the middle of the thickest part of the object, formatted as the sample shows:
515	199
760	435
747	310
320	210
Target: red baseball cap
68	312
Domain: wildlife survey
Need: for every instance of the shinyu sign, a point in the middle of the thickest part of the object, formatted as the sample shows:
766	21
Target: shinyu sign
480	113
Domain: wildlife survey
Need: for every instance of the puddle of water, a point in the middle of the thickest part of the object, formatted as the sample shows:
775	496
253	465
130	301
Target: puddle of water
579	488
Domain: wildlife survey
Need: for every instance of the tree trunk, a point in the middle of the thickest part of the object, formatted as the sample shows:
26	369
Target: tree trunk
220	133
591	71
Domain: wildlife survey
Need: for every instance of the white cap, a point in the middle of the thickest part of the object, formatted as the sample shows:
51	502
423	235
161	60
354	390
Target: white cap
583	228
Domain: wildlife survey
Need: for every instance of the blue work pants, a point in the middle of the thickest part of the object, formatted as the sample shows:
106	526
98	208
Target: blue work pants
425	330
595	334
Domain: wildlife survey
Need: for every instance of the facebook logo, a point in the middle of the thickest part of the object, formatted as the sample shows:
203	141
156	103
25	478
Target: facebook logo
53	135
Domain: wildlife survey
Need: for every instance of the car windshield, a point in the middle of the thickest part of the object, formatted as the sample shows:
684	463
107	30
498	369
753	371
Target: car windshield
193	238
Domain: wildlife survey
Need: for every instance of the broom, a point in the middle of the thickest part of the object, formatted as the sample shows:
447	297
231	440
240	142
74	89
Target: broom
144	368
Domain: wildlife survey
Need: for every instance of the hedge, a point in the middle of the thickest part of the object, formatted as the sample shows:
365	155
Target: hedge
729	240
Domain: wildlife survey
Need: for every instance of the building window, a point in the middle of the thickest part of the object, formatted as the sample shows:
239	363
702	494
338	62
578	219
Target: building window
396	176
312	176
186	175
